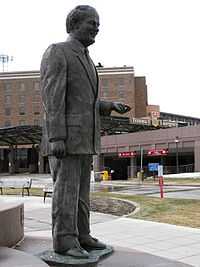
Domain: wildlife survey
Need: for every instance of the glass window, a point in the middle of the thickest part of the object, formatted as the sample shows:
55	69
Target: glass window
37	86
7	111
36	109
1	154
22	87
120	87
36	122
36	98
7	99
22	110
22	99
22	122
104	88
7	88
7	123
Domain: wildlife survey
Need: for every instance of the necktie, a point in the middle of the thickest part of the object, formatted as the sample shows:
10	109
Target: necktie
89	61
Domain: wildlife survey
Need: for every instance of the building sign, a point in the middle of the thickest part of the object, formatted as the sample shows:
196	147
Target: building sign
155	122
128	154
157	152
141	121
153	167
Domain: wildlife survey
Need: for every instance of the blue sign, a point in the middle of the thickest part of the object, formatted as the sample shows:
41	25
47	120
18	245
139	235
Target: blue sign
153	167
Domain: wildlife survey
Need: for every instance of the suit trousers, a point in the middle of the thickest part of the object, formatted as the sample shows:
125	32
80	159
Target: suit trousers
70	204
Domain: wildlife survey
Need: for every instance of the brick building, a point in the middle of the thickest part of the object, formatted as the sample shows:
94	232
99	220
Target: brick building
20	104
20	99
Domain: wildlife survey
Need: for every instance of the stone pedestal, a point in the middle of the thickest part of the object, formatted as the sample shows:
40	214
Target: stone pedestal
56	260
11	223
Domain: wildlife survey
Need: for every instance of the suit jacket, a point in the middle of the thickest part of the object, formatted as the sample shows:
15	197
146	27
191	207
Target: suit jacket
69	85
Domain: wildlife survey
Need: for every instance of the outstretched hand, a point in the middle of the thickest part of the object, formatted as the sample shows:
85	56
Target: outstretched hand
120	107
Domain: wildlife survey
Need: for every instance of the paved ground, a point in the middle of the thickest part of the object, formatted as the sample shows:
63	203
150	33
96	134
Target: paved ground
173	242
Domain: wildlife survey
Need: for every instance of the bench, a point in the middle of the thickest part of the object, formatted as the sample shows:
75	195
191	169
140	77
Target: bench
23	183
48	190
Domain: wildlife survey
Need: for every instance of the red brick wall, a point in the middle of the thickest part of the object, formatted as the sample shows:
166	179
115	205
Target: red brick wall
120	88
116	84
19	95
140	97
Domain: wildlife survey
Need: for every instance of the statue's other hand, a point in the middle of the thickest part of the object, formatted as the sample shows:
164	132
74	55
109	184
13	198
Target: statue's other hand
120	107
58	149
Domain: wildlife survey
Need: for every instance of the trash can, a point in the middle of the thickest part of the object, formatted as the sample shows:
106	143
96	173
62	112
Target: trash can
105	176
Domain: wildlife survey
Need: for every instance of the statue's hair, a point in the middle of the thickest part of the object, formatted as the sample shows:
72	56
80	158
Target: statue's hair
76	16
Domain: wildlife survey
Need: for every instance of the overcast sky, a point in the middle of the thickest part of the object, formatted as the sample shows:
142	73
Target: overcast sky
159	38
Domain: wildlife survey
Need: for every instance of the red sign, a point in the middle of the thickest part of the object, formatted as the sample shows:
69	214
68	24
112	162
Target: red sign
157	152
127	154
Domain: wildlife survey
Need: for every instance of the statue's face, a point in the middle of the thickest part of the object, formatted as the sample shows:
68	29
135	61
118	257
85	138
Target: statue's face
88	28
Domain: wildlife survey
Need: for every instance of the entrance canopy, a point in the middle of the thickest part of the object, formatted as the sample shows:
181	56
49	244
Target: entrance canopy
20	135
31	134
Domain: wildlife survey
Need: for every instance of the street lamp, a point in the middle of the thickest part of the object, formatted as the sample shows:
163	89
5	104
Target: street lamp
4	59
176	140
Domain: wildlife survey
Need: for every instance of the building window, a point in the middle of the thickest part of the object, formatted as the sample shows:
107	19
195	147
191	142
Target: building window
7	123
22	122
104	88
36	122
22	110
7	99
36	109
120	87
22	87
22	99
7	88
7	111
37	86
36	98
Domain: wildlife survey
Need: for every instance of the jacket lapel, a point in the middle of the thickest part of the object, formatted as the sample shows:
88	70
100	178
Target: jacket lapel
91	73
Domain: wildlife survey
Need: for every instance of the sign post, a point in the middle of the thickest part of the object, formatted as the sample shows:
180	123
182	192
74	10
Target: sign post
161	181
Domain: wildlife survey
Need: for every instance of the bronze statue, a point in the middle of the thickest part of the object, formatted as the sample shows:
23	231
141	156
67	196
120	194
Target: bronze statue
71	132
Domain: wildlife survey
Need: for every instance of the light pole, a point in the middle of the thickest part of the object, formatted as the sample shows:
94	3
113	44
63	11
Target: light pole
141	158
141	164
5	59
176	140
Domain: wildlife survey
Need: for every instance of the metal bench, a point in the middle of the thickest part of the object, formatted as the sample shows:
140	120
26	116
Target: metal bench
48	190
23	183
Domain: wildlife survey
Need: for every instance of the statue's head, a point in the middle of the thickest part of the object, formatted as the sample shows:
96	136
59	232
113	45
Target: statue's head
83	24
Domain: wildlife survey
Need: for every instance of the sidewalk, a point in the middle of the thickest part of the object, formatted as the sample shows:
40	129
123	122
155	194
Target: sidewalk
164	240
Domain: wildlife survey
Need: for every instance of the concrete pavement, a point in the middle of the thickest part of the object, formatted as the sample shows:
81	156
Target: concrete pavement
169	241
172	242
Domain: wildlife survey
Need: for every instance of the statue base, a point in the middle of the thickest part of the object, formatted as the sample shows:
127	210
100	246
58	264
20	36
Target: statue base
56	260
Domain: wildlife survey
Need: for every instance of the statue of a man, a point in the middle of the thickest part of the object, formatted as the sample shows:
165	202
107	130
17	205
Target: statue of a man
71	132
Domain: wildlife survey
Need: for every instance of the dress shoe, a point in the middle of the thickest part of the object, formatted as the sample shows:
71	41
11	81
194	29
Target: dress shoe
91	243
76	252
